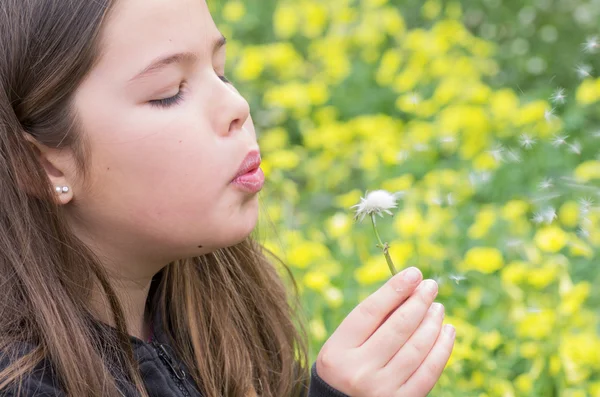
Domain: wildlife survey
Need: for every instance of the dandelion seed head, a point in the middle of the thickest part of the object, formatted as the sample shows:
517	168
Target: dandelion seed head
376	202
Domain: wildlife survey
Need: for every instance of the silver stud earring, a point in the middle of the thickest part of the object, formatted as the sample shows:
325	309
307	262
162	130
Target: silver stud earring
62	189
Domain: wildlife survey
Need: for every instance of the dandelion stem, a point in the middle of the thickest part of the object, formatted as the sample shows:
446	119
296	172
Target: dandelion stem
384	247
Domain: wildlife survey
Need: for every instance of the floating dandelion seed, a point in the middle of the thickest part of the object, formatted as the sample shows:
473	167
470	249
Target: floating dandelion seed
575	147
447	139
559	96
534	310
377	203
549	115
546	216
559	140
538	218
549	215
546	184
583	232
497	152
584	71
527	141
402	155
457	278
450	199
514	156
414	98
586	205
421	147
591	45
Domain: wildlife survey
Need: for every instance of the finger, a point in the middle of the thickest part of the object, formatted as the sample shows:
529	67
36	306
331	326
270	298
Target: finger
364	319
398	328
410	357
425	378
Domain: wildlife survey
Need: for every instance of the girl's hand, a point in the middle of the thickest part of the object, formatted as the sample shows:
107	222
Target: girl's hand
391	344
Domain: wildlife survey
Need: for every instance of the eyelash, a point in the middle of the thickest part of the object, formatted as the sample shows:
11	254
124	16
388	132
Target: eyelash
175	99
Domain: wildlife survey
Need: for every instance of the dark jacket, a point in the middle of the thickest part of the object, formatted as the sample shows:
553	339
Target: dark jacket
163	374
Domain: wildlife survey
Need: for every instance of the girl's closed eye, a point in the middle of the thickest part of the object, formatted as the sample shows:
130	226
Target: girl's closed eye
175	99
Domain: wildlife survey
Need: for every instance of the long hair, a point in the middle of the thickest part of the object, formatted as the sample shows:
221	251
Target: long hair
227	314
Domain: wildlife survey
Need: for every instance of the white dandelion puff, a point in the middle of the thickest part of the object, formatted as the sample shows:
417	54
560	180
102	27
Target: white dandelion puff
376	202
591	45
559	96
583	71
527	141
559	140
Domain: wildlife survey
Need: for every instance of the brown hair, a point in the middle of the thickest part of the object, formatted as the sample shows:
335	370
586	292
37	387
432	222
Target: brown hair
230	318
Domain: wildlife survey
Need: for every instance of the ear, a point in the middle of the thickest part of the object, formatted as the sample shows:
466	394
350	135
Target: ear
58	164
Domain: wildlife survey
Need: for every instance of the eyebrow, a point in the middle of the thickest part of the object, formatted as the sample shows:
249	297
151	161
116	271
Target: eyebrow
181	57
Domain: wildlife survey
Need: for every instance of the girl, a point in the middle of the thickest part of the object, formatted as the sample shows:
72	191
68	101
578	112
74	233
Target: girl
129	173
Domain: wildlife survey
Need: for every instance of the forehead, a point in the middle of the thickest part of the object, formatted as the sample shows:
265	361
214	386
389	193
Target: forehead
137	31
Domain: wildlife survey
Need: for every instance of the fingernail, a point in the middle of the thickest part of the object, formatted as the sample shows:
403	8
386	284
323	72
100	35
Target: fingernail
436	308
431	286
449	330
412	274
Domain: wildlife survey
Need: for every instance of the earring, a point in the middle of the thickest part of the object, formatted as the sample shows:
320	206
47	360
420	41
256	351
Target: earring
62	189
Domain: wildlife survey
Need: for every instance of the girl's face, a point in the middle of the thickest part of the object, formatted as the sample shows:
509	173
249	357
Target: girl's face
167	136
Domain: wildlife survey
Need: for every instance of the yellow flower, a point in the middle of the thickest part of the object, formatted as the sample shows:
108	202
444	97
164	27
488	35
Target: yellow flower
588	170
233	11
408	222
285	20
568	214
524	383
515	272
551	239
540	277
483	259
317	329
333	297
316	280
536	325
515	209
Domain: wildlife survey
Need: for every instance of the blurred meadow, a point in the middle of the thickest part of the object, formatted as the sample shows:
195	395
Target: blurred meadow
485	114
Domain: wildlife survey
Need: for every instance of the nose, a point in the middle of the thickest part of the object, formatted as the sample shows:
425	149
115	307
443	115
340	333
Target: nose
236	110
